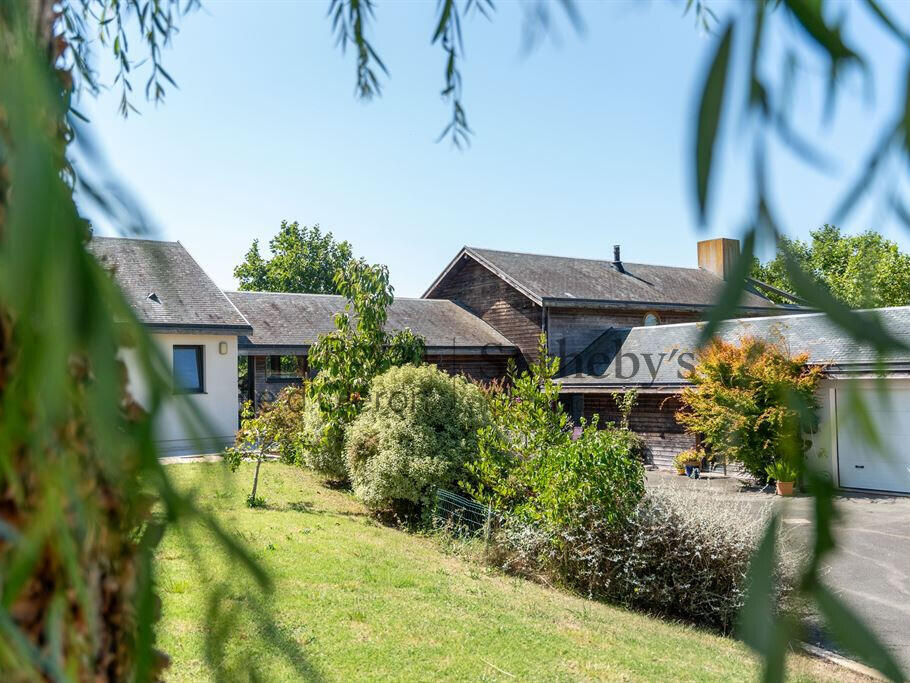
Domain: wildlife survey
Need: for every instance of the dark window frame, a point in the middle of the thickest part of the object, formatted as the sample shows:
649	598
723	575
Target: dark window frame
278	376
200	368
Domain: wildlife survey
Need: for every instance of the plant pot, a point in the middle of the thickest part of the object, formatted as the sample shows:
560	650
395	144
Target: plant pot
681	471
785	488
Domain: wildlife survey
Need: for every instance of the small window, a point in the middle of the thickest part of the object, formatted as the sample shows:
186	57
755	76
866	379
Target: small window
188	370
651	318
283	368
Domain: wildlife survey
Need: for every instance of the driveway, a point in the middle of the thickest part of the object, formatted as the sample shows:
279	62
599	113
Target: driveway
870	569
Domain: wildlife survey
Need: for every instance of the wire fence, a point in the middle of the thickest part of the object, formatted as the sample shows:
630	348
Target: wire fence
462	515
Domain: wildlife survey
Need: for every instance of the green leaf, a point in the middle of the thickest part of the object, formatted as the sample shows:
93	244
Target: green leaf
809	15
850	631
759	625
709	113
757	619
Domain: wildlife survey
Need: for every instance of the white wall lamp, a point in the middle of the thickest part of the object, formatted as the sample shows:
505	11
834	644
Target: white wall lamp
222	348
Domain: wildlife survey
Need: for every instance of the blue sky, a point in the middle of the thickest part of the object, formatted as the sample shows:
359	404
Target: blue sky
584	143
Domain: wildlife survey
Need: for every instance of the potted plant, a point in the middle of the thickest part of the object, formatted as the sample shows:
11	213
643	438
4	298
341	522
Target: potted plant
679	461
784	473
688	460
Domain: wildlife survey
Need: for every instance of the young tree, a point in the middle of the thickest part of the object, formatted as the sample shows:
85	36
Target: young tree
358	350
304	259
274	429
752	403
863	271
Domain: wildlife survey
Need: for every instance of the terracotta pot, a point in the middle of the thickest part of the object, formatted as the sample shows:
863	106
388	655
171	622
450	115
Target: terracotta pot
785	488
681	471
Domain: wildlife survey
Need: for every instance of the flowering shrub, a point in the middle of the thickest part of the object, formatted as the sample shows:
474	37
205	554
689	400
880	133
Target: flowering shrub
415	434
679	555
751	403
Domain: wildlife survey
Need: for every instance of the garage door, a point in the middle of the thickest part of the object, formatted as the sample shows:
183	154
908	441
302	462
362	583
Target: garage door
861	464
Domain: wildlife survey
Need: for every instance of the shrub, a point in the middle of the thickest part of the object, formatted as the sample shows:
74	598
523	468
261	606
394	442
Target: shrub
751	402
597	475
679	555
315	451
415	434
529	465
527	420
359	349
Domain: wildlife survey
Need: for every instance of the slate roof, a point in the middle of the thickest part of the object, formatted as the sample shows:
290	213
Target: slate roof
286	320
165	286
638	350
562	280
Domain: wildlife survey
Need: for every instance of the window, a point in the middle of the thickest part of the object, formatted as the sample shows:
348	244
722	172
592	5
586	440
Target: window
651	318
283	368
188	370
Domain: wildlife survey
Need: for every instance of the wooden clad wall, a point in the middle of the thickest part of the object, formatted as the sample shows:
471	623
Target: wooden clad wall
653	418
572	330
478	368
499	304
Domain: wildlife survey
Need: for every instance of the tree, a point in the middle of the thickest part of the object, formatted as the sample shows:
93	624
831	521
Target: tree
276	427
358	350
303	260
752	403
863	271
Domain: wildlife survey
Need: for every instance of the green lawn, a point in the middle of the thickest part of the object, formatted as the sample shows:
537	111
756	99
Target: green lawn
363	601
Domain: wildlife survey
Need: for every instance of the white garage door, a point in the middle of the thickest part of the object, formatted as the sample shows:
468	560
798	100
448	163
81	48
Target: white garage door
863	465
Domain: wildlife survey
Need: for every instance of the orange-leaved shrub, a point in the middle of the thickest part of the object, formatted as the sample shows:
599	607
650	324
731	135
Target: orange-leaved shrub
752	402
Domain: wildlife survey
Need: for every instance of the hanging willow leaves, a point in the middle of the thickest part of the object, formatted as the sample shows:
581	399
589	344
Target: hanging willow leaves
850	631
709	114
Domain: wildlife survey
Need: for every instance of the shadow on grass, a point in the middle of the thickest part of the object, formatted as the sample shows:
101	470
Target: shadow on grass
225	619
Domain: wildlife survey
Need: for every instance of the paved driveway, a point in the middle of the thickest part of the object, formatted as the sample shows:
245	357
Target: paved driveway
870	569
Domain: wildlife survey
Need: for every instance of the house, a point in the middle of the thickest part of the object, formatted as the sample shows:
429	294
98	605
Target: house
285	326
573	300
196	328
654	360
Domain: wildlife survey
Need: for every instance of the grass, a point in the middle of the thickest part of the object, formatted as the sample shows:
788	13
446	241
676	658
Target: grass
362	601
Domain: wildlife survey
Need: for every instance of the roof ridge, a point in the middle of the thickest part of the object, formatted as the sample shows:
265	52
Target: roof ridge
754	318
585	258
132	239
341	296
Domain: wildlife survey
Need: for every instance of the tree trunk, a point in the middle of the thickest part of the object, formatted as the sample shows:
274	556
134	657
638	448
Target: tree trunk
255	480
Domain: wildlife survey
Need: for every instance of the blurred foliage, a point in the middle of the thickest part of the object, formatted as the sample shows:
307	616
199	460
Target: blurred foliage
863	271
359	349
84	499
304	259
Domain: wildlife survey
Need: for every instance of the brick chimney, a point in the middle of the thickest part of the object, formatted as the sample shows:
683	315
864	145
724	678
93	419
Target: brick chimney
718	256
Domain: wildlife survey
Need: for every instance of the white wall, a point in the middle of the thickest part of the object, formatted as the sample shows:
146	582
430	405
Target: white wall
218	404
